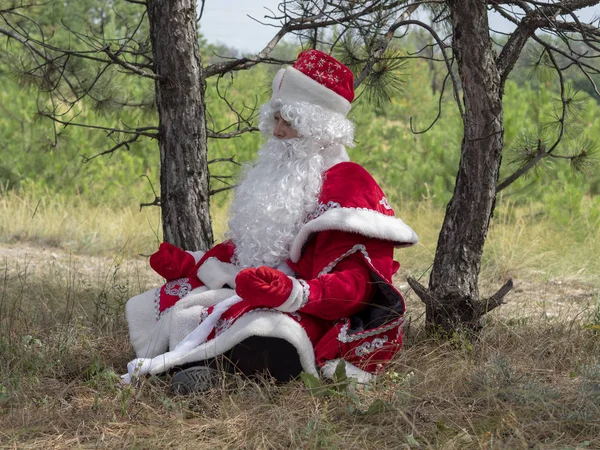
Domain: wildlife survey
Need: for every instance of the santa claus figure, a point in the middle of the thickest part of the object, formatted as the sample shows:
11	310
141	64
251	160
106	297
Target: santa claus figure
304	280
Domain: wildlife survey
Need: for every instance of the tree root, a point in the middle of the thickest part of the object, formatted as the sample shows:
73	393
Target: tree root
460	312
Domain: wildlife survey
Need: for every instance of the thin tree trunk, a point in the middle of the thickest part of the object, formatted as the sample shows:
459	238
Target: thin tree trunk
184	177
452	301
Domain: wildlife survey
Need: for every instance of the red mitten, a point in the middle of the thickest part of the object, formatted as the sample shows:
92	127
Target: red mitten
171	262
263	286
223	252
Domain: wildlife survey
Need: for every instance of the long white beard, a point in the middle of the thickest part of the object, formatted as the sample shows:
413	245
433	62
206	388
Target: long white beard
271	203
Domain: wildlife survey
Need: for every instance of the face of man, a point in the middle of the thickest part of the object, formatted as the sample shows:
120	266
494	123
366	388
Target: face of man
283	129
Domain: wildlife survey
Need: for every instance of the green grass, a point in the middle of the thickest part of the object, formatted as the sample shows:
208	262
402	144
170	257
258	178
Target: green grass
531	381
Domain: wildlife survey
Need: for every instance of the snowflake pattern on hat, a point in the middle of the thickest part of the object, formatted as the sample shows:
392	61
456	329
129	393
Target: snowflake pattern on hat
326	70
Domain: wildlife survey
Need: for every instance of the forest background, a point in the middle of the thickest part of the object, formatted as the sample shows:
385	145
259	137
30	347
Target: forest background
62	333
57	163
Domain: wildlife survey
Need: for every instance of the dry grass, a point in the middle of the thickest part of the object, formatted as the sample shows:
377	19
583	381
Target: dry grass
74	225
525	384
531	381
524	241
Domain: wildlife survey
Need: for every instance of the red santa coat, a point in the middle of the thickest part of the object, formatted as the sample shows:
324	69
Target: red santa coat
343	259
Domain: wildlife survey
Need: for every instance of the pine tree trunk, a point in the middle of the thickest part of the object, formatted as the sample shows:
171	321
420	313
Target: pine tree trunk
184	178
452	301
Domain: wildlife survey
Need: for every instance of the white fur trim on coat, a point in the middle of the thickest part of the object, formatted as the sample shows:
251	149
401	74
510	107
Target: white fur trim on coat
297	299
148	334
215	274
283	267
259	322
186	313
195	338
362	377
202	296
151	334
366	222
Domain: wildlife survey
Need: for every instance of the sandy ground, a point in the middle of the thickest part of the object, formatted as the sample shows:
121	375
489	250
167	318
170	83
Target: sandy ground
19	260
571	299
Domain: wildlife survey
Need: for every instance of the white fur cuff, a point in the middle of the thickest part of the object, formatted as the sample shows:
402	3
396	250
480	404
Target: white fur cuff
215	274
197	255
297	298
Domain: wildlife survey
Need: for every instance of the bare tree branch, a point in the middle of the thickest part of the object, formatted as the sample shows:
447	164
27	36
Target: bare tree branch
294	25
439	113
533	20
113	149
233	134
231	160
114	58
447	60
202	3
156	201
143	131
244	118
223	189
223	178
422	292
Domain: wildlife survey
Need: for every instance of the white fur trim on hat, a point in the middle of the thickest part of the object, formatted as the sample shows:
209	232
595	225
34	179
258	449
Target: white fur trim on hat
366	222
292	86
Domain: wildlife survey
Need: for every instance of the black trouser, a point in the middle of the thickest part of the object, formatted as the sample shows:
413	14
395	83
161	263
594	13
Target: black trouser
258	355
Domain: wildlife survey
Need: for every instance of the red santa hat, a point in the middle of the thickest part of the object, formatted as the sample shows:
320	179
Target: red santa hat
316	78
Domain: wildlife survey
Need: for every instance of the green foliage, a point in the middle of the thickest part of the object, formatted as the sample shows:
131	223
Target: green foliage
42	156
346	388
535	67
